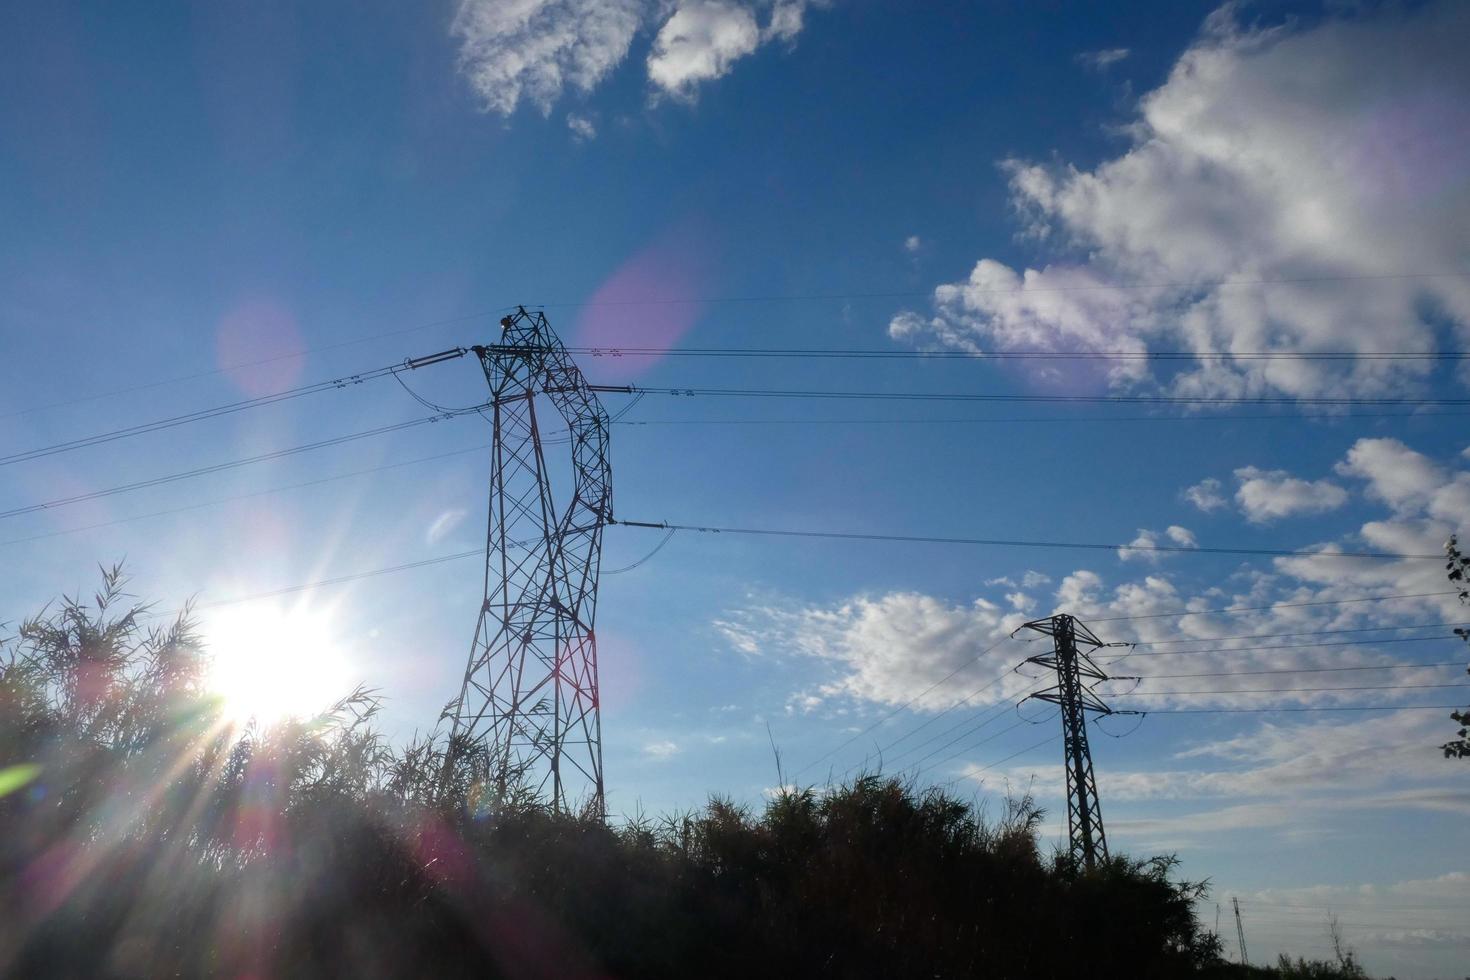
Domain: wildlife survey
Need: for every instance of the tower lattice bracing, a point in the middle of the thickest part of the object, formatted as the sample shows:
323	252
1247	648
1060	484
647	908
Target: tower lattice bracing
1087	843
530	688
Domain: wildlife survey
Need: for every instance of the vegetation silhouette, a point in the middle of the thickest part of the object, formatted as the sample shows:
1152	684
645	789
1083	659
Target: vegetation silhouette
1457	570
141	836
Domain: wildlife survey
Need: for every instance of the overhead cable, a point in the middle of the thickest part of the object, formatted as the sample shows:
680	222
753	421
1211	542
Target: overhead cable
1022	543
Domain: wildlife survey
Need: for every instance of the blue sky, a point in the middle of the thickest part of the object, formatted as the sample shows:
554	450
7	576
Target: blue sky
190	201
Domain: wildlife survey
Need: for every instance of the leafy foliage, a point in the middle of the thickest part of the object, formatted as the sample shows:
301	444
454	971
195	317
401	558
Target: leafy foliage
1457	570
154	839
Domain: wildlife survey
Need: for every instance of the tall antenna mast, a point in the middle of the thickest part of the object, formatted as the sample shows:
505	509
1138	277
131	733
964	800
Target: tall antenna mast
1240	932
530	687
1087	843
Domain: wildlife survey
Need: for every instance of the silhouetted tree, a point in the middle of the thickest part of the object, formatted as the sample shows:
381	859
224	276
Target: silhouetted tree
146	836
1457	569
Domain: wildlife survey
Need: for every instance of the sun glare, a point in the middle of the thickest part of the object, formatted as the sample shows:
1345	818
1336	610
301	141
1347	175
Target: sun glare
270	664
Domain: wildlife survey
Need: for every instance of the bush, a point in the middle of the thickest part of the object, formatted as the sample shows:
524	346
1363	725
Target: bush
153	840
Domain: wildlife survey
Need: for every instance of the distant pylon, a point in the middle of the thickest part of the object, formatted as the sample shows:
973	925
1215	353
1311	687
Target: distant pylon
1240	932
530	688
1087	842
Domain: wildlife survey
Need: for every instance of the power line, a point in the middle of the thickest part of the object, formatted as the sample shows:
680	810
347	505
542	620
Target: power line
1011	355
286	356
1284	690
999	762
1294	646
883	750
200	415
1327	707
341	579
228	465
890	714
974	725
929	396
1352	909
995	711
1265	636
1021	543
1273	605
918	766
666	301
1091	287
1305	670
242	496
1073	420
373	573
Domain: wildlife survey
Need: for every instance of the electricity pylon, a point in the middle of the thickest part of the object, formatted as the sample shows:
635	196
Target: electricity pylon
1240	932
1087	843
530	687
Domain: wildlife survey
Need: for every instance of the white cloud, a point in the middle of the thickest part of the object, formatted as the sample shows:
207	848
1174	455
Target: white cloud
534	49
786	20
1268	495
1029	580
1181	536
1405	928
702	39
699	43
661	750
888	649
1098	60
912	244
512	51
582	128
1397	475
1147	547
1020	601
1451	884
1206	495
1309	152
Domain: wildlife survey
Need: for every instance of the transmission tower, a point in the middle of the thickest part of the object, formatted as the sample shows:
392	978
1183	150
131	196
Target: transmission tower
1240	931
530	687
1074	668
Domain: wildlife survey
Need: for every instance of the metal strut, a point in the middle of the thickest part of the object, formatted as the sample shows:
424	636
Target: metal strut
530	688
1087	842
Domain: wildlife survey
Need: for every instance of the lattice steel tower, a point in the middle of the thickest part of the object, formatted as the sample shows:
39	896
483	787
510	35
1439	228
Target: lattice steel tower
1087	842
530	688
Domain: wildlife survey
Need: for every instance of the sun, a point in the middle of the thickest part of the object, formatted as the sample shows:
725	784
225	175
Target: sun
269	664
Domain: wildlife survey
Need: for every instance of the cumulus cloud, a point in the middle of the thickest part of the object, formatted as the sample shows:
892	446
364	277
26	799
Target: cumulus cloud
583	129
1272	779
1397	475
912	244
1206	495
890	648
534	49
887	649
704	38
1268	495
514	51
1261	221
699	43
786	20
1147	546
